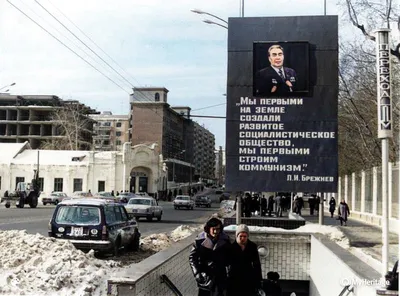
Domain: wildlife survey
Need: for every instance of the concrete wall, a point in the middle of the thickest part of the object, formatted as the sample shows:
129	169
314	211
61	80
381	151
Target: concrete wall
332	268
144	278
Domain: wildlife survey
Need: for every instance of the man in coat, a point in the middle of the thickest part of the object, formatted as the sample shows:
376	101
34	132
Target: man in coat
275	80
209	259
245	275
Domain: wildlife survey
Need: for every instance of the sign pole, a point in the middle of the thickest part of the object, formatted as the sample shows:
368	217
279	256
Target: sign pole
385	132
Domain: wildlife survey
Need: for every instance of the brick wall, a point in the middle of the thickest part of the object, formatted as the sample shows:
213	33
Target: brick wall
147	124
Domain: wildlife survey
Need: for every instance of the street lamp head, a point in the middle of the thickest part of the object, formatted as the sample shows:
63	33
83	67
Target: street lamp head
12	84
197	11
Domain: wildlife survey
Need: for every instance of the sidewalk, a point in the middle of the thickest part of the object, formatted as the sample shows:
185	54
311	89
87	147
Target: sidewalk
362	236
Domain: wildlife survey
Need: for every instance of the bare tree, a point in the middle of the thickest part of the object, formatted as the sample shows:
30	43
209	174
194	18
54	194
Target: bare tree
73	129
369	15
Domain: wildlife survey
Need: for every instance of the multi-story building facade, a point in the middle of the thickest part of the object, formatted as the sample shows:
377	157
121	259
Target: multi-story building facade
153	120
220	166
204	159
38	120
110	131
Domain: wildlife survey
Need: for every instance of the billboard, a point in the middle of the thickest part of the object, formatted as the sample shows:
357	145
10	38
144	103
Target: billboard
281	69
281	128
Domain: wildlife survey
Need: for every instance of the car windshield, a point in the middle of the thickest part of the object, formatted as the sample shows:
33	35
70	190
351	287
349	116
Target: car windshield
82	215
139	201
183	197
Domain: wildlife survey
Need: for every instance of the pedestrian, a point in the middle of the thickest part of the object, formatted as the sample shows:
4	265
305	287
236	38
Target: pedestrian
278	202
332	206
209	259
245	275
344	212
270	205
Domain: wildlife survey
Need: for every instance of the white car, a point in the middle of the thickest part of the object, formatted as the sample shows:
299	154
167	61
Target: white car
183	201
144	207
54	198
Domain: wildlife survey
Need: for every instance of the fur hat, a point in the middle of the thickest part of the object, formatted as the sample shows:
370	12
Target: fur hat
242	228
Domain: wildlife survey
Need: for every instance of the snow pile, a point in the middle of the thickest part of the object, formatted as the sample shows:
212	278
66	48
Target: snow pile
160	241
155	242
182	232
226	207
38	265
333	232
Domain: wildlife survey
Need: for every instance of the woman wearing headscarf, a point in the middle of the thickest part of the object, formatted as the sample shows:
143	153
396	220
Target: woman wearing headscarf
209	259
245	275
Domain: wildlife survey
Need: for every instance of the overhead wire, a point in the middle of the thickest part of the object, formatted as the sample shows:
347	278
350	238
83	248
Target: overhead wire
63	35
69	48
207	107
87	46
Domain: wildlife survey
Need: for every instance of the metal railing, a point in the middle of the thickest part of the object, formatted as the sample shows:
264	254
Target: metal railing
171	286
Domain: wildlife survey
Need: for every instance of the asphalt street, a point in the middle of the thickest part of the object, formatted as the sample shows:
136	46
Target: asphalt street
36	220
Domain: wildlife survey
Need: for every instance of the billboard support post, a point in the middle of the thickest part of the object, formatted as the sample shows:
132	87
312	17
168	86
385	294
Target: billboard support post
385	132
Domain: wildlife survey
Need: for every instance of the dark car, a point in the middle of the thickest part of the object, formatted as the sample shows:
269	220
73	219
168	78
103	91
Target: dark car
202	201
95	224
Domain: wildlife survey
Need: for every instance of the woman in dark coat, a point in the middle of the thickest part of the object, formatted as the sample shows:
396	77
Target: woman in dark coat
332	206
343	211
209	259
245	275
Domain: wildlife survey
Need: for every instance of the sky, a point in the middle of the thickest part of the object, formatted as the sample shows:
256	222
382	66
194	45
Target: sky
153	42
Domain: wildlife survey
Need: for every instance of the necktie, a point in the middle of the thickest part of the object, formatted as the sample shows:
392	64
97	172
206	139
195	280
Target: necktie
281	74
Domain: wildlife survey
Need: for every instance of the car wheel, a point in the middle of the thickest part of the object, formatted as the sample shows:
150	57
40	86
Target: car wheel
159	217
135	243
8	205
117	245
44	203
175	208
56	202
150	218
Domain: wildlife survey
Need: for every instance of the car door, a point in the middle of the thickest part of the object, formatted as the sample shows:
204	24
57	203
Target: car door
157	208
125	228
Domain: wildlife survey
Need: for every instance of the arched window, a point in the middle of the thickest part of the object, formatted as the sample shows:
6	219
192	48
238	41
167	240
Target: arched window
157	97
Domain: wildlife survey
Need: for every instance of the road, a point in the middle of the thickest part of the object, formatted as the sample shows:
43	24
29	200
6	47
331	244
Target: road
36	220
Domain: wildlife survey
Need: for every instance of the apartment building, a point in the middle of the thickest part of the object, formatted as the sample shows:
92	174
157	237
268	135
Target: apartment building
204	158
110	131
32	118
154	121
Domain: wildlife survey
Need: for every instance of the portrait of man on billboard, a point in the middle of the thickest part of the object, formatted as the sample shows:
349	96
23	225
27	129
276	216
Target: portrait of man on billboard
274	76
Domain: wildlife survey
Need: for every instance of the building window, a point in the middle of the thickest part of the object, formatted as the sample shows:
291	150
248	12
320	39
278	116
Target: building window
157	97
119	124
106	143
19	180
78	184
58	184
101	186
118	143
118	134
41	184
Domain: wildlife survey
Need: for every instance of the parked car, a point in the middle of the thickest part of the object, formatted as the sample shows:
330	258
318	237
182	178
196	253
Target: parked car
183	201
81	194
54	198
202	201
124	197
95	224
146	207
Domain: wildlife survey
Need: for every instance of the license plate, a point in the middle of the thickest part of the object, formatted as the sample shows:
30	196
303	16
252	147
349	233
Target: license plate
76	231
134	211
